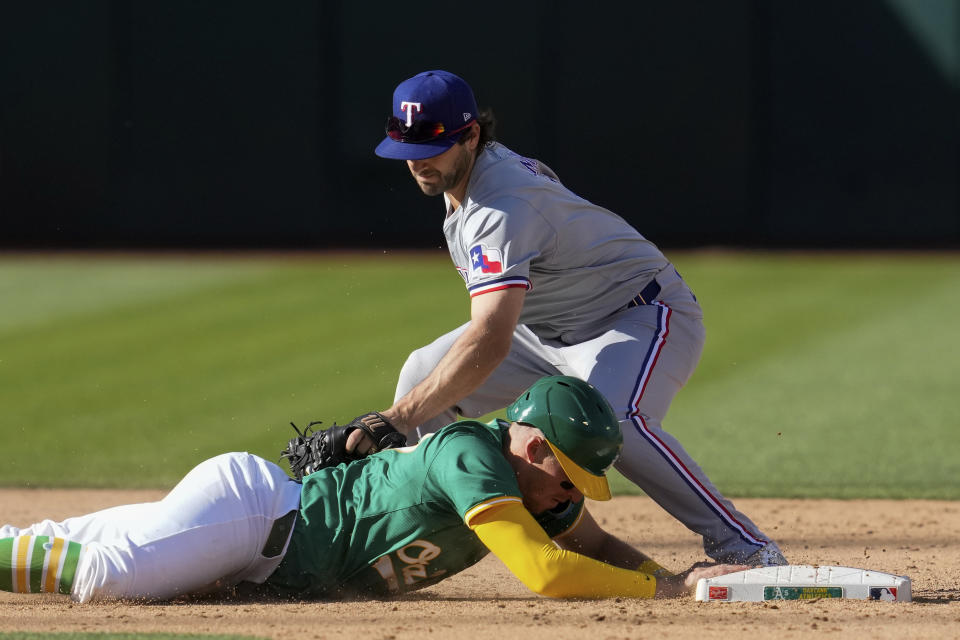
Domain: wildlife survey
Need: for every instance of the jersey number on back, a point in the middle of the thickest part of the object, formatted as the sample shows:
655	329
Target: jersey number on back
413	561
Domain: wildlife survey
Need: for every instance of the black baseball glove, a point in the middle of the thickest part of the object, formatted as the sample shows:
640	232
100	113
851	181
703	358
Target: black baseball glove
314	450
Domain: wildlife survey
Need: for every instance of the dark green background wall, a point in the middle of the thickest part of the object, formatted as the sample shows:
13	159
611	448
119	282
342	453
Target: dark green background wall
743	122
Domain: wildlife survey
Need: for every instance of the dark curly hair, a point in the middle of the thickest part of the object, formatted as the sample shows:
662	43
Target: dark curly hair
488	125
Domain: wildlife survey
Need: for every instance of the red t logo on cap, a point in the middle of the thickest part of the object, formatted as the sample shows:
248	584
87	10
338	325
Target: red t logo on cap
404	107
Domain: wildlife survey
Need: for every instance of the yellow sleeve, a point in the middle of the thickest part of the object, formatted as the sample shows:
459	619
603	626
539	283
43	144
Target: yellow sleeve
511	533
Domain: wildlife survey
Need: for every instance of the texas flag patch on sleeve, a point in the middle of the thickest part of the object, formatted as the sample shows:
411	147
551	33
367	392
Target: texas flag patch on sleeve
485	259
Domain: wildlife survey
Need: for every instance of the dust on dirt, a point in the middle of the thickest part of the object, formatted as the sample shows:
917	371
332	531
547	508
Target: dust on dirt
912	537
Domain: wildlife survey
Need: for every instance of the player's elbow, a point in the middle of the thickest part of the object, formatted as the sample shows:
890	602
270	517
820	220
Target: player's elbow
552	581
499	348
494	342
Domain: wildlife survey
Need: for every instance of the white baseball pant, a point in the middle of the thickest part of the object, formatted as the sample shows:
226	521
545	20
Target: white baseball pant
208	533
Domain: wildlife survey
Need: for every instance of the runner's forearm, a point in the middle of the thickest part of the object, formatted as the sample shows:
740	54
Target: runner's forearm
523	546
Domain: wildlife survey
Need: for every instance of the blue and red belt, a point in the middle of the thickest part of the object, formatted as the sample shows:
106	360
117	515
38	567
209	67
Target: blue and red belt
647	296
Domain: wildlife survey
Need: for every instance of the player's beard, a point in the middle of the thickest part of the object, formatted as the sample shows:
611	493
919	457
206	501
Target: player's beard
447	181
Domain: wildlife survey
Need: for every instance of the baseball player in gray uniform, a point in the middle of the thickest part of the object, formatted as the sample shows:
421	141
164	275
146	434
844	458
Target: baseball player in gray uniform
558	285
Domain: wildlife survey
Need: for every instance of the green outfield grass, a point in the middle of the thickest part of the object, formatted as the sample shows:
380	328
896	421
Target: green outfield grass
825	375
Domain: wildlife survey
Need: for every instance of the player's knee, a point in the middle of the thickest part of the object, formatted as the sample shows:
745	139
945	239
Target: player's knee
226	464
419	364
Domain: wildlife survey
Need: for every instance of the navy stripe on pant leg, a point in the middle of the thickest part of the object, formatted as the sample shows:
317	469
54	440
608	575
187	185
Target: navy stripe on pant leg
646	371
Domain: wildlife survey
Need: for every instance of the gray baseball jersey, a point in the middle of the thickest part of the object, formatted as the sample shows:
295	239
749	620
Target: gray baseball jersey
579	262
602	304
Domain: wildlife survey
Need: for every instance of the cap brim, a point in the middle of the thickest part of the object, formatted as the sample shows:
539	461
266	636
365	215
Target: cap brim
592	486
394	150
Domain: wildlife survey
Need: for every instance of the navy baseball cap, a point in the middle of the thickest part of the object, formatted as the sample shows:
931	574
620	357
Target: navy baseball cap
431	111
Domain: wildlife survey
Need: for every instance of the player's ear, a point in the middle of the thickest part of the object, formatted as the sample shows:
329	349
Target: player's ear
537	449
472	137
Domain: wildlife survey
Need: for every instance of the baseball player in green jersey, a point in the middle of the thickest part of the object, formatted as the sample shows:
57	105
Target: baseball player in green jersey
557	285
392	522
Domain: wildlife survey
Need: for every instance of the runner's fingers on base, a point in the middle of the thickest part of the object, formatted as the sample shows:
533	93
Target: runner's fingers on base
712	571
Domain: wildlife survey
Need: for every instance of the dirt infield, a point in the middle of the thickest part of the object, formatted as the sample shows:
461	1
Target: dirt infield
915	538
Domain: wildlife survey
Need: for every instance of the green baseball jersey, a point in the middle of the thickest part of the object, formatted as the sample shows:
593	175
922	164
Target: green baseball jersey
397	520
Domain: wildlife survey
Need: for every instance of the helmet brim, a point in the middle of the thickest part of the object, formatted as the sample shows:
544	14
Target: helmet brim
590	485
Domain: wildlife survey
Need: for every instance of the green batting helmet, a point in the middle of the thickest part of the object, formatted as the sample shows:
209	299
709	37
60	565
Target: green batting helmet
579	426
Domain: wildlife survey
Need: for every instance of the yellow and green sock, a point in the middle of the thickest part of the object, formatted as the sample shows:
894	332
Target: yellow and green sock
38	564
